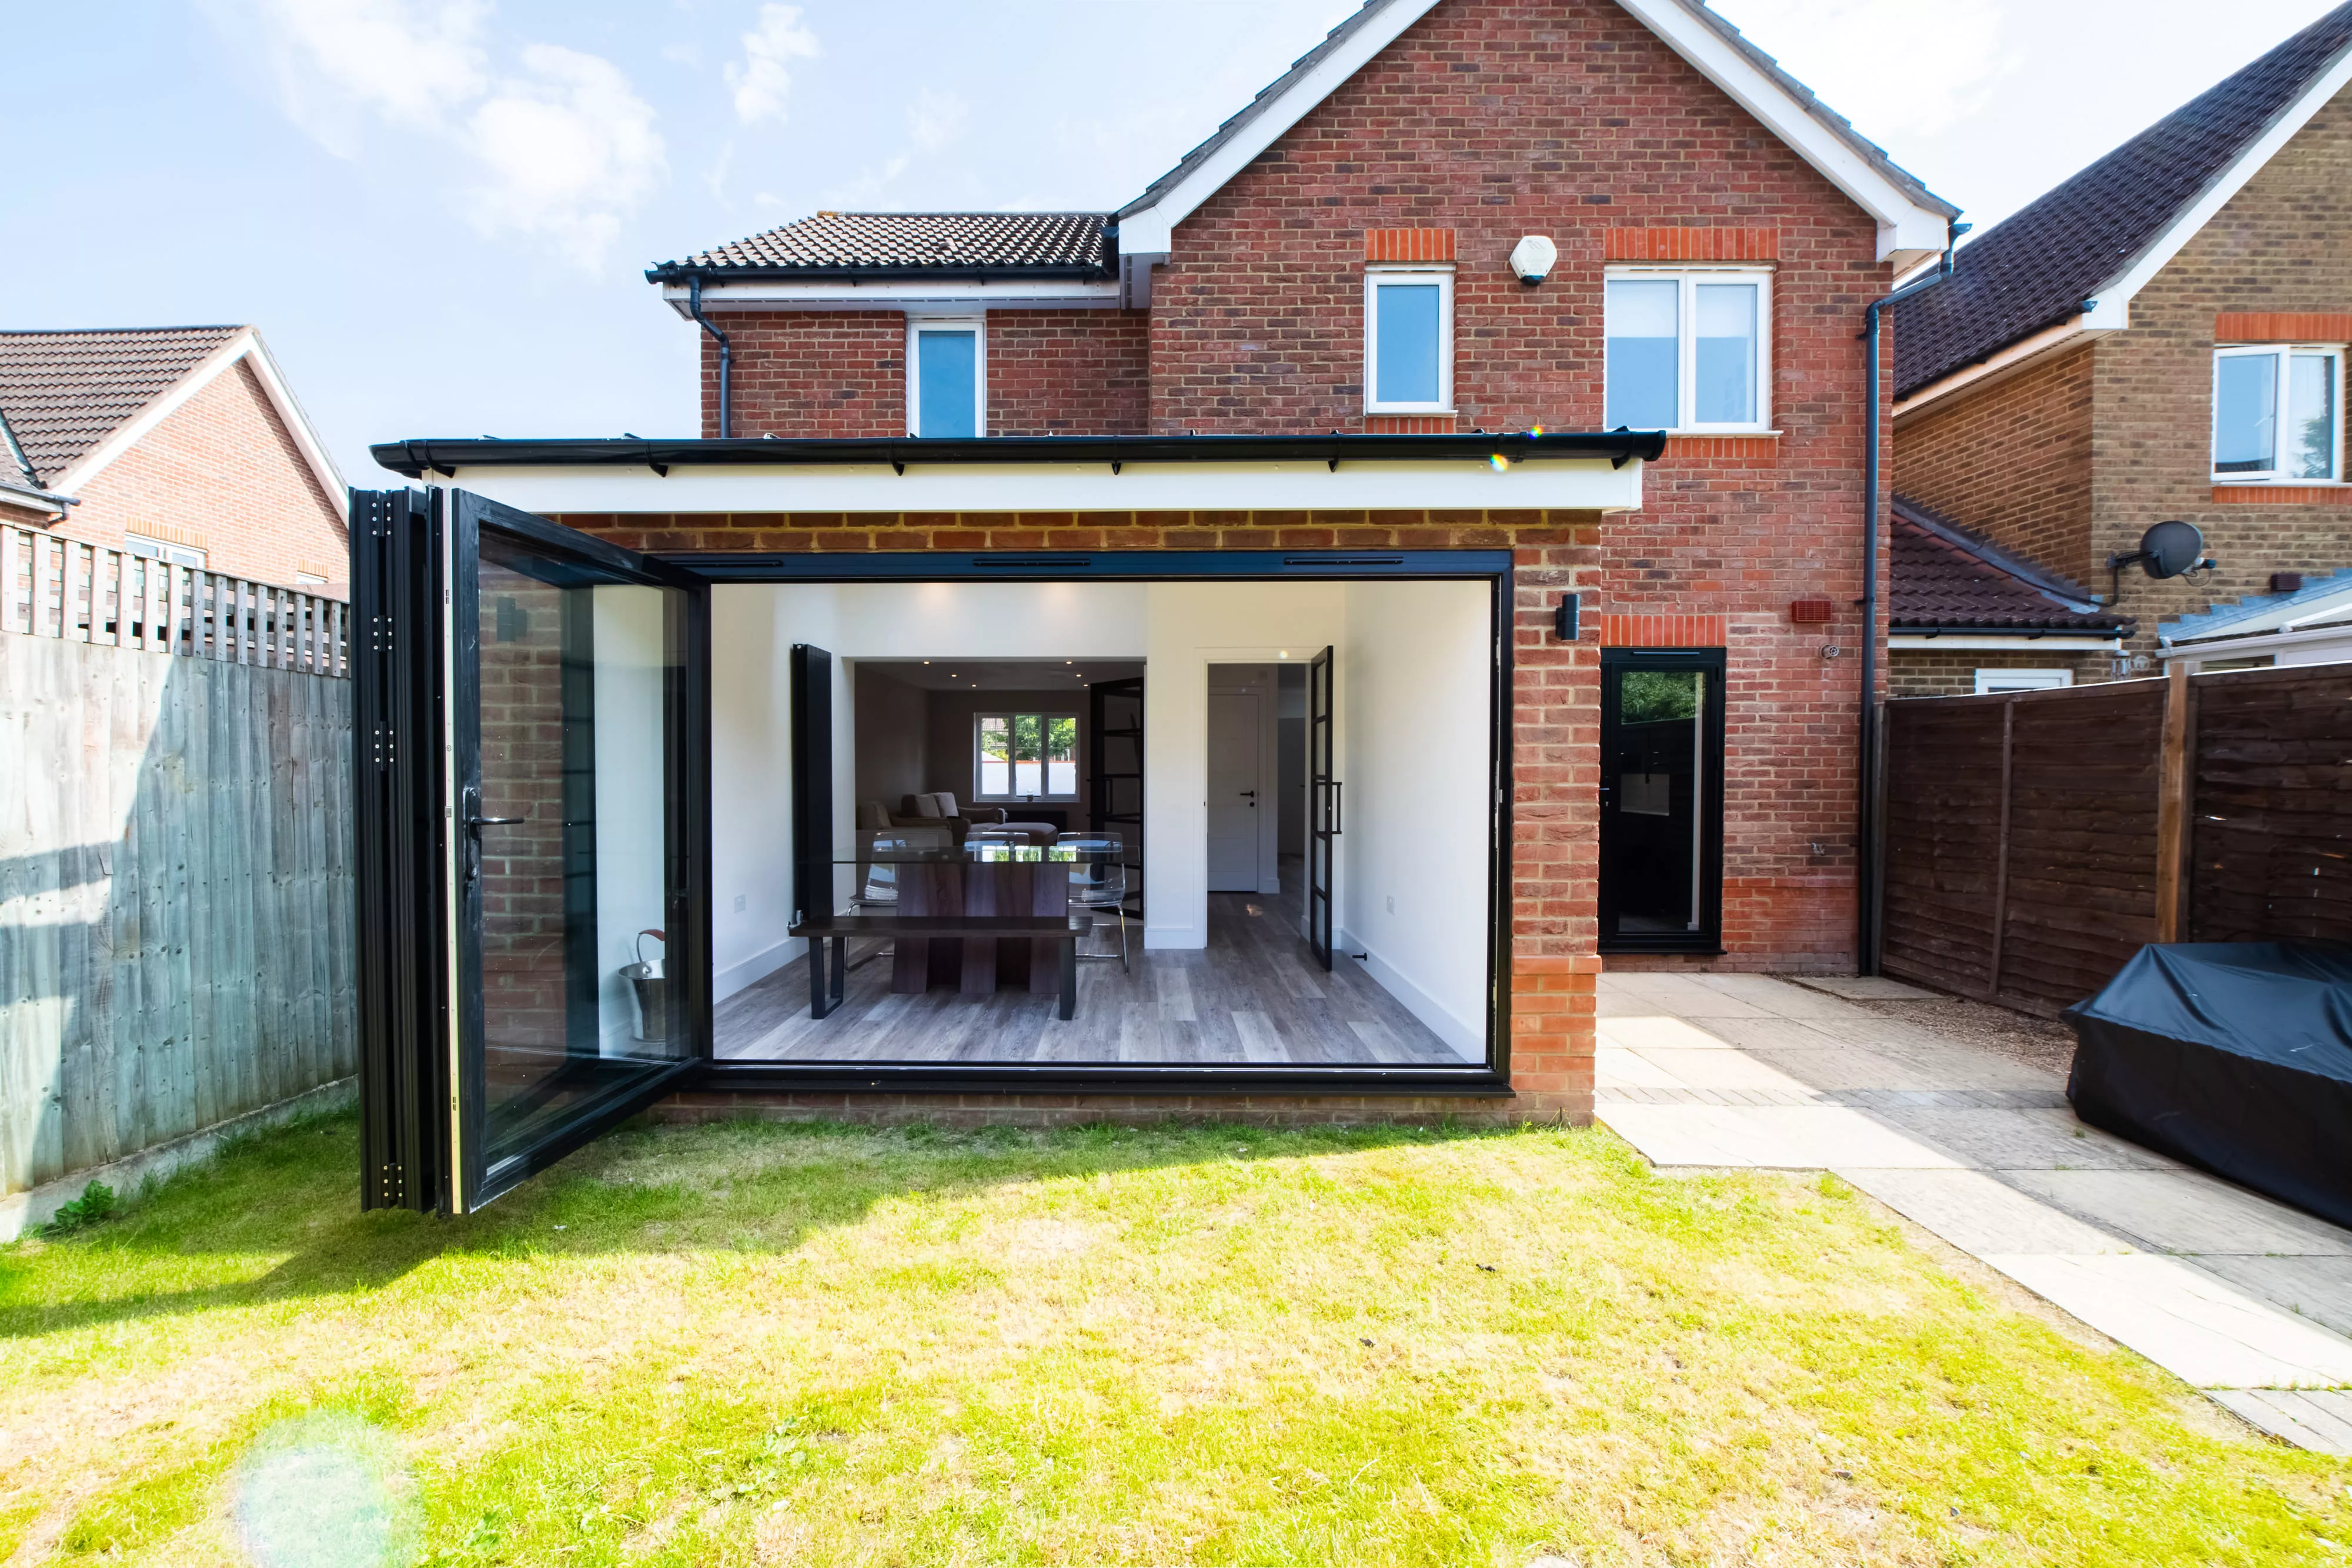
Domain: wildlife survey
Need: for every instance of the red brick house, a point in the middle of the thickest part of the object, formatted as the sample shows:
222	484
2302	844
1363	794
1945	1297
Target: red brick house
176	443
1464	449
2160	337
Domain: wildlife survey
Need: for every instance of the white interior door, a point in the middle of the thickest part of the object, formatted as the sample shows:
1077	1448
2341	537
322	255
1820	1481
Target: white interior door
1234	792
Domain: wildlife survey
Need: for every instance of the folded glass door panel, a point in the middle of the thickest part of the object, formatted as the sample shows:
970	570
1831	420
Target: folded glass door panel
570	679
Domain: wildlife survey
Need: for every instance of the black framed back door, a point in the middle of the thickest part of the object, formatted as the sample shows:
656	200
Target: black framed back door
1662	800
570	678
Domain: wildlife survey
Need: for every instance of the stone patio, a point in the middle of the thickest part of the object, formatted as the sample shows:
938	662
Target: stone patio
2241	1296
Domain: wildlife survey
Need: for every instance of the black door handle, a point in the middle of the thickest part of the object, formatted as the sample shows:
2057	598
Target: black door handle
479	822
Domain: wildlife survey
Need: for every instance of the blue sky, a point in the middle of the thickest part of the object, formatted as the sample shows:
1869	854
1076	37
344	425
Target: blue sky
438	212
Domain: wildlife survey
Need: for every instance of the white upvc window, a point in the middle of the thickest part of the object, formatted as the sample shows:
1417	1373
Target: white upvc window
1991	681
164	550
1024	757
1408	340
947	375
1688	349
2278	415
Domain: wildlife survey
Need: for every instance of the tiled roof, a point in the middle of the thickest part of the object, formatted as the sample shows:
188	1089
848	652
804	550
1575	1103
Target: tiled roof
1047	243
1837	124
64	393
2266	611
1941	575
2035	268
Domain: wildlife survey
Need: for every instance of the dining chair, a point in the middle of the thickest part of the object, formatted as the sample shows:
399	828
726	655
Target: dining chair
1098	882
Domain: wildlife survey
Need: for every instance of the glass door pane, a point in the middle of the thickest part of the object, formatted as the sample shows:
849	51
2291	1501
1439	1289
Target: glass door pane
573	756
1660	833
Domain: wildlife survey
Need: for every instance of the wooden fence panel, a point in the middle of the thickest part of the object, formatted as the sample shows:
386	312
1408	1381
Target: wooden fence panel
1943	834
175	877
2271	848
2054	810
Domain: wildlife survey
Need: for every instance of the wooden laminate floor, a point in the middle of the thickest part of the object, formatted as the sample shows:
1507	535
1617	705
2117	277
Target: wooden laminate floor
1254	996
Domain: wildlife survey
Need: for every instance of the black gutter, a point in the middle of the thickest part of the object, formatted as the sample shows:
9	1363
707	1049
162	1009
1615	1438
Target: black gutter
726	360
417	458
1866	839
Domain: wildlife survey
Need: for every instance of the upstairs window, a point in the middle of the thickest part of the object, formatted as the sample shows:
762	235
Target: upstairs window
2278	415
1024	757
1687	351
946	378
1409	339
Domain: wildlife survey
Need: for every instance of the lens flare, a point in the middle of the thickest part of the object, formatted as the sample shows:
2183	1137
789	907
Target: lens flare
1499	463
325	1491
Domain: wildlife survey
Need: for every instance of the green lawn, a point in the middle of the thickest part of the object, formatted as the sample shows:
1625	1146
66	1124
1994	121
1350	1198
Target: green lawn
762	1344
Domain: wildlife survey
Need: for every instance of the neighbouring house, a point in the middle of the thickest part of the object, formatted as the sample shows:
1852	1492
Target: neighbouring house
2160	337
1411	555
1967	617
2298	623
178	444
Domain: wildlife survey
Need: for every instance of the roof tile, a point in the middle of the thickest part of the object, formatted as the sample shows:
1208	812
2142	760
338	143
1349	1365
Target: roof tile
916	242
1944	576
62	393
2036	268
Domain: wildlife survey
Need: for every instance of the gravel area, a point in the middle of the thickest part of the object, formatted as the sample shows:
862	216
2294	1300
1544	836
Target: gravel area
2040	1043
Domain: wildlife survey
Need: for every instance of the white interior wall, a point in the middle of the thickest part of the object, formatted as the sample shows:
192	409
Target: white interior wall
1261	681
1413	745
632	841
1192	626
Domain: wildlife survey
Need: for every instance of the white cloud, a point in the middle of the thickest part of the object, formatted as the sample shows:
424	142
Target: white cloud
936	119
567	151
561	150
760	79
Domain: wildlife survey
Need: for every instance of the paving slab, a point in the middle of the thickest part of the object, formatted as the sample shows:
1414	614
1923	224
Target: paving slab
1788	1034
1617	1067
1721	1068
1770	1137
2181	1210
1684	996
2199	1328
2318	1421
1977	1213
1864	987
2021	1139
1779	997
2318	1287
1833	1067
1657	1032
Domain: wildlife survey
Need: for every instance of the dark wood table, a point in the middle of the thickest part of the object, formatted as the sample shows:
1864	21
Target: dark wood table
835	932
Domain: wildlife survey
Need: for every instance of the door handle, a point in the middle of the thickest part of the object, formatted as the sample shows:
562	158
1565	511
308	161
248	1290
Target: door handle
1339	806
479	823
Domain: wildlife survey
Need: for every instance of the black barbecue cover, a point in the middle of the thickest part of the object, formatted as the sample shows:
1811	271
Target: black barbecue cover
2235	1056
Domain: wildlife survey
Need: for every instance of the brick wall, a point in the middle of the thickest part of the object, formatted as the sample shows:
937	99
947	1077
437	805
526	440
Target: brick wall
1934	673
2013	462
222	468
810	372
1068	373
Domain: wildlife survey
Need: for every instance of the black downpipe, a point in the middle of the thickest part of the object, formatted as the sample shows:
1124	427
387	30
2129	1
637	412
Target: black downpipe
726	356
1867	867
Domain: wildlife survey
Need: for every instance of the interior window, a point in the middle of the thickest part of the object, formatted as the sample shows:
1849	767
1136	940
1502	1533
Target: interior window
1408	346
1686	351
2276	413
947	381
1026	757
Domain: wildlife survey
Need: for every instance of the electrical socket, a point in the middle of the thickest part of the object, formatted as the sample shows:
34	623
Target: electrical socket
739	903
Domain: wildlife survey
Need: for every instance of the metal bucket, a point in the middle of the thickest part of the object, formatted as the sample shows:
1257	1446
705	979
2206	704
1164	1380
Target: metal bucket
650	985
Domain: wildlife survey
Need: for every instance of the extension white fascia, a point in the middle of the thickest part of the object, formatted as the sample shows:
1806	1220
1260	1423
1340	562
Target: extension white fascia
1907	230
895	294
245	345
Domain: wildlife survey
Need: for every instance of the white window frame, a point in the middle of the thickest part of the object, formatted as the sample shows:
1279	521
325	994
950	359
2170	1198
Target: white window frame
1991	681
1686	340
1379	274
1077	758
916	325
2286	353
146	547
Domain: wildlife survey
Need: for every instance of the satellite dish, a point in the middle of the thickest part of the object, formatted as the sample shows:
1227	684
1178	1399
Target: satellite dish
2167	549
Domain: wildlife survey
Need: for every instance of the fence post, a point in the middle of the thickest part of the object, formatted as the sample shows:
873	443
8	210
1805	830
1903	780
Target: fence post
2174	770
2000	852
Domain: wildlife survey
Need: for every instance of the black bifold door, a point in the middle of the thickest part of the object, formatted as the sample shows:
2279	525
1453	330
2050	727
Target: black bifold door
531	705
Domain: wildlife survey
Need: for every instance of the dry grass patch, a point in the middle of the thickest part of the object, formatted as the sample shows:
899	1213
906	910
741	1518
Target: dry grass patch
766	1345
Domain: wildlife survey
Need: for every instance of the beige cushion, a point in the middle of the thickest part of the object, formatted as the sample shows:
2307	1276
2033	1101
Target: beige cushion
947	802
926	806
870	814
